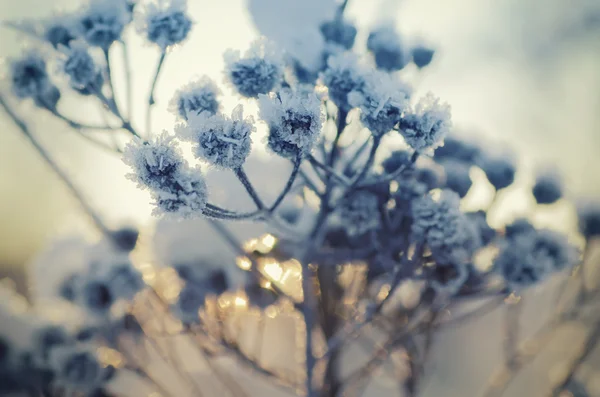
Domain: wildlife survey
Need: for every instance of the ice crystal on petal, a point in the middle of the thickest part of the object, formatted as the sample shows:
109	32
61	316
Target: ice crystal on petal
426	125
195	97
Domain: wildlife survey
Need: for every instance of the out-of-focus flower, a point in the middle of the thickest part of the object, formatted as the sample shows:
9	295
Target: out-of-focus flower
194	98
426	125
163	22
385	44
548	188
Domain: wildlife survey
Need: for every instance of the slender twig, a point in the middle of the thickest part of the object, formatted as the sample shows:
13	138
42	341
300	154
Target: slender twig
288	186
368	164
390	177
151	100
57	170
243	178
78	125
330	172
464	319
590	343
128	80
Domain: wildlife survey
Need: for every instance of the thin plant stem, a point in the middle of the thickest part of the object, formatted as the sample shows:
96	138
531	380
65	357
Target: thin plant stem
57	170
290	182
243	178
151	100
128	79
78	125
464	319
330	172
368	164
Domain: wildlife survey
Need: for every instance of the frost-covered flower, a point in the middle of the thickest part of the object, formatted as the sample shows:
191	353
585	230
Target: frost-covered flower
534	255
96	296
218	139
381	99
589	219
386	46
79	369
518	227
194	98
259	71
449	234
548	188
190	300
458	149
163	22
101	22
426	125
124	281
159	166
343	75
447	279
359	212
457	177
339	32
80	67
295	120
30	79
60	30
500	171
422	56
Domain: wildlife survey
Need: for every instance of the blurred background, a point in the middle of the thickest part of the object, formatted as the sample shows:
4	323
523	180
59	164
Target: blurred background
520	75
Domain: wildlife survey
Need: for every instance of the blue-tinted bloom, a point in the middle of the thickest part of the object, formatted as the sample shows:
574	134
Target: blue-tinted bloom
448	279
457	149
47	338
60	31
500	171
80	67
449	234
101	22
457	177
190	300
259	71
547	188
397	159
80	370
218	139
164	22
339	32
426	125
531	257
125	239
342	76
359	212
159	166
518	227
589	220
428	176
486	233
422	56
97	296
386	46
295	121
124	281
381	99
30	80
194	98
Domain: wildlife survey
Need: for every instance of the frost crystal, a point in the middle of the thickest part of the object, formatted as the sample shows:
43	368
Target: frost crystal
342	76
295	120
386	46
163	22
500	171
222	141
427	124
102	22
547	188
194	98
259	71
80	67
450	235
159	166
381	99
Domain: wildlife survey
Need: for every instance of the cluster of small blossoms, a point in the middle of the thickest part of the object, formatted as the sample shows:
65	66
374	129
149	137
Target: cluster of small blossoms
159	166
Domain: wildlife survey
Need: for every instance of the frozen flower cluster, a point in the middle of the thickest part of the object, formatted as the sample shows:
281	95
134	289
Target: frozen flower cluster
363	214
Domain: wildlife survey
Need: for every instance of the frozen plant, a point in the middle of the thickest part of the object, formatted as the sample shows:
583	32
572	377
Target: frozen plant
357	220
